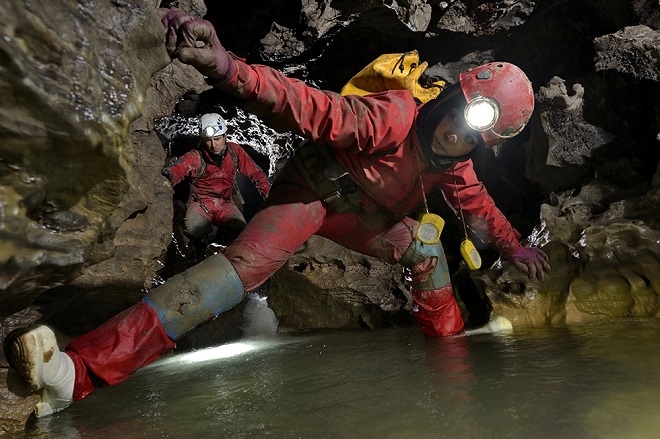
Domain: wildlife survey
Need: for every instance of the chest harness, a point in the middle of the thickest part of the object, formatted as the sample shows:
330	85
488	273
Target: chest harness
200	173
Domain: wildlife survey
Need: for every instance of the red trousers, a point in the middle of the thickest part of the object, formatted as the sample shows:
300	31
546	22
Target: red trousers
110	353
291	214
202	216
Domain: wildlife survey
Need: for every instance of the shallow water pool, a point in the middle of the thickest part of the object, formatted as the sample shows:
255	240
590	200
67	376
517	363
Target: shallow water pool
594	381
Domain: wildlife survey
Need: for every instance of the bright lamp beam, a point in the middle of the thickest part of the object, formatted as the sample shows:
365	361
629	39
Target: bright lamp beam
481	115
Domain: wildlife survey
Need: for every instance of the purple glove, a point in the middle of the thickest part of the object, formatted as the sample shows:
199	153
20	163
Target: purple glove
531	261
194	41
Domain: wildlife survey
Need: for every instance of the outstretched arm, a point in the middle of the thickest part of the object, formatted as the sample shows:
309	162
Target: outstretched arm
186	166
464	191
287	104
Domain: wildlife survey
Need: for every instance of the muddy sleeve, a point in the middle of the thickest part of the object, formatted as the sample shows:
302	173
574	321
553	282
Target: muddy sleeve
463	190
367	123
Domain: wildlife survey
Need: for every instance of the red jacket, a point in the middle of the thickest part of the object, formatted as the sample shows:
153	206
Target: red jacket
217	181
374	138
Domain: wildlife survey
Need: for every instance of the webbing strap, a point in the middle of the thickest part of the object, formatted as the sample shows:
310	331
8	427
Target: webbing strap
237	190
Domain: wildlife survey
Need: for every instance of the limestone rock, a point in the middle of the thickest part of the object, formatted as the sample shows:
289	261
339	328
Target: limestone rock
633	50
621	276
72	81
17	403
570	138
525	303
325	286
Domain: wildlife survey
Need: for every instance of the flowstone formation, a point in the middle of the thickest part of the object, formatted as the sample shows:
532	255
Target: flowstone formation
603	234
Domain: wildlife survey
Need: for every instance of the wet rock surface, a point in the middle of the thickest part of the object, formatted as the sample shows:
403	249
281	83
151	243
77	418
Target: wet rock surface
16	401
325	286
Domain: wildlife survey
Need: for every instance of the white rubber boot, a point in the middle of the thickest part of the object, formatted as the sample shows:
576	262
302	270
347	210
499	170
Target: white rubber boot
35	356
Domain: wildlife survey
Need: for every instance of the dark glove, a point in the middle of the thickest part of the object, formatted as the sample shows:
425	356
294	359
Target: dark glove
167	172
194	41
531	261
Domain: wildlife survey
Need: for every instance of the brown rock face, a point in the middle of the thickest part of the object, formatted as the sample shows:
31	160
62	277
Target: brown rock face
325	286
16	401
72	82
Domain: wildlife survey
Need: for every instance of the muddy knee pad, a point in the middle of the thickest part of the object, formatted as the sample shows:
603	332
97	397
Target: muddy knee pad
428	264
198	227
196	295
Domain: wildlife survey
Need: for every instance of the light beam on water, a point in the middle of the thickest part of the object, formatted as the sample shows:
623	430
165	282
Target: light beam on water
259	328
224	351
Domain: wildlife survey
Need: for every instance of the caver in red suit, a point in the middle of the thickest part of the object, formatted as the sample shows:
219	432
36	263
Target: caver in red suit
380	153
212	180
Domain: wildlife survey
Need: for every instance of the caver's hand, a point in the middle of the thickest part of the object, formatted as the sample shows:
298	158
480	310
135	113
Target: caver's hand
194	41
531	261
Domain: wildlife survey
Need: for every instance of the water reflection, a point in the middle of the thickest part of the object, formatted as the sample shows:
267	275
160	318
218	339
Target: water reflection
596	381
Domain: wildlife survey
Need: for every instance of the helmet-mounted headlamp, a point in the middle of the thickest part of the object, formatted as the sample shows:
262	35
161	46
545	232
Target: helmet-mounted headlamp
211	131
500	100
212	125
481	113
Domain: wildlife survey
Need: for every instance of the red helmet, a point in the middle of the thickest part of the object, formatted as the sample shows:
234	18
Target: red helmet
500	100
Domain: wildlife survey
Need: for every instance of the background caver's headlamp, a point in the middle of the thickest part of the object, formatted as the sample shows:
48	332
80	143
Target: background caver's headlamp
210	132
212	125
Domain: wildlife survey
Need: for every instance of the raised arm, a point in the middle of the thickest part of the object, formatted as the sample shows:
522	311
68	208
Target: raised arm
287	104
186	166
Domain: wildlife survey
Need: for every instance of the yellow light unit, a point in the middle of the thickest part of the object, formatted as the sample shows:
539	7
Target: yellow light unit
470	255
430	228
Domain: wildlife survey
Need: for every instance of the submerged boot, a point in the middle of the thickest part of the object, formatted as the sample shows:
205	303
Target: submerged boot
33	352
437	312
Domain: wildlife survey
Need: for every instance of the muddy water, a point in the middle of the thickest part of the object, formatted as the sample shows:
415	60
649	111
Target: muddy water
597	381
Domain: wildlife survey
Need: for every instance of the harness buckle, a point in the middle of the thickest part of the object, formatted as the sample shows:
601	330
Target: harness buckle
332	197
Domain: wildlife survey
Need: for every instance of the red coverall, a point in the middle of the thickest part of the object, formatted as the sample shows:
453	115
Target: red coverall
211	200
374	138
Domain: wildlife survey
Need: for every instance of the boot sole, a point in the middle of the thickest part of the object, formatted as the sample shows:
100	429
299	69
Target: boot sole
27	350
